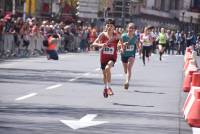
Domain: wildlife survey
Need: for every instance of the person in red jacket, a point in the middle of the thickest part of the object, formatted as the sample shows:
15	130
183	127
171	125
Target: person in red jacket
108	41
51	48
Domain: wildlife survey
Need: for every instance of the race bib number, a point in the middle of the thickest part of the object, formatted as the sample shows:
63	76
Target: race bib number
129	48
108	50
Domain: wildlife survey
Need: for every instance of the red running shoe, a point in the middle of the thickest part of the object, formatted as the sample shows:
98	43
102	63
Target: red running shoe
105	93
109	91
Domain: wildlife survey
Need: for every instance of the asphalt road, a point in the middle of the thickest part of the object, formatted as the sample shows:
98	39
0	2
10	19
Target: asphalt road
36	95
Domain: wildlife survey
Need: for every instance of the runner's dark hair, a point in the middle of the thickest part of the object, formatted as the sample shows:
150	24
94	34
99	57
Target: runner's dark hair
110	21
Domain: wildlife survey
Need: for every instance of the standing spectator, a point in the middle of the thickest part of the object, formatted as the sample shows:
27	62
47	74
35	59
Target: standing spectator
68	38
172	40
182	44
84	39
167	50
8	35
193	39
1	36
178	41
92	37
154	44
189	39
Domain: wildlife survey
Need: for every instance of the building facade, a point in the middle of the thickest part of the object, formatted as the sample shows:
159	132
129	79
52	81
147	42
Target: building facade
88	9
183	10
30	7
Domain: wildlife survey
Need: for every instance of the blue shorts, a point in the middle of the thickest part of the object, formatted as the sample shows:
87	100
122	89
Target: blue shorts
52	54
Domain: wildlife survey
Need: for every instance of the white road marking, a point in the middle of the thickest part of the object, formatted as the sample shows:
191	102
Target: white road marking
71	80
85	74
97	69
26	96
84	122
3	107
196	130
54	86
7	65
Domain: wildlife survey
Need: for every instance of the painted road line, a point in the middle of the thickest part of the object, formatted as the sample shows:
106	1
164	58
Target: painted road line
71	80
196	130
54	86
83	75
78	77
97	69
7	65
86	121
26	96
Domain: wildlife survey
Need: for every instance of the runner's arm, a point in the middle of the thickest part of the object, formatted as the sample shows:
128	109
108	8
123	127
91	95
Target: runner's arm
138	46
97	42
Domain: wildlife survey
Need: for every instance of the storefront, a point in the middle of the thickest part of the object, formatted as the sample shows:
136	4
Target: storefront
44	7
6	6
37	8
196	5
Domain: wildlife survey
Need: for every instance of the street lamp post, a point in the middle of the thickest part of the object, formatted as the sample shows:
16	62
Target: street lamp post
191	18
24	11
183	14
13	7
123	13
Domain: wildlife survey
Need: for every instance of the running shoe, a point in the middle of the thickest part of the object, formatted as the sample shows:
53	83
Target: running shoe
105	93
110	92
160	58
126	86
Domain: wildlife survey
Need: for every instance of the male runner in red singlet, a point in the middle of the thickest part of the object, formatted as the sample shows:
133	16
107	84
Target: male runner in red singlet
107	40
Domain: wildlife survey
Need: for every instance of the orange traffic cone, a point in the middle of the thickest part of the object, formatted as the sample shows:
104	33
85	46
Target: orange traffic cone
191	67
189	100
186	64
188	49
187	81
196	79
188	52
195	85
193	116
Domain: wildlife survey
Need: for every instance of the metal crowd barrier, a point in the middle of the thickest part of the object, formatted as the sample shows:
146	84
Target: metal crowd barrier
9	48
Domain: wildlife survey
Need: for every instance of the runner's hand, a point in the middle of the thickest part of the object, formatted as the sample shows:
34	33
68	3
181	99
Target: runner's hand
104	45
121	51
125	43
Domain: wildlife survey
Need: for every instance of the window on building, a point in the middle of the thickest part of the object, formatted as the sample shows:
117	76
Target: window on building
1	5
43	7
197	4
177	4
19	6
8	6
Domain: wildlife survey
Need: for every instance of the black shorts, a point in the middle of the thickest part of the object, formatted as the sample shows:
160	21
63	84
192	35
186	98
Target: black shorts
125	59
163	45
103	65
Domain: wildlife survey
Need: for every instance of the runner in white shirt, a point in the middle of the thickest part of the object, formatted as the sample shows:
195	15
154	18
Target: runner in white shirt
146	42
